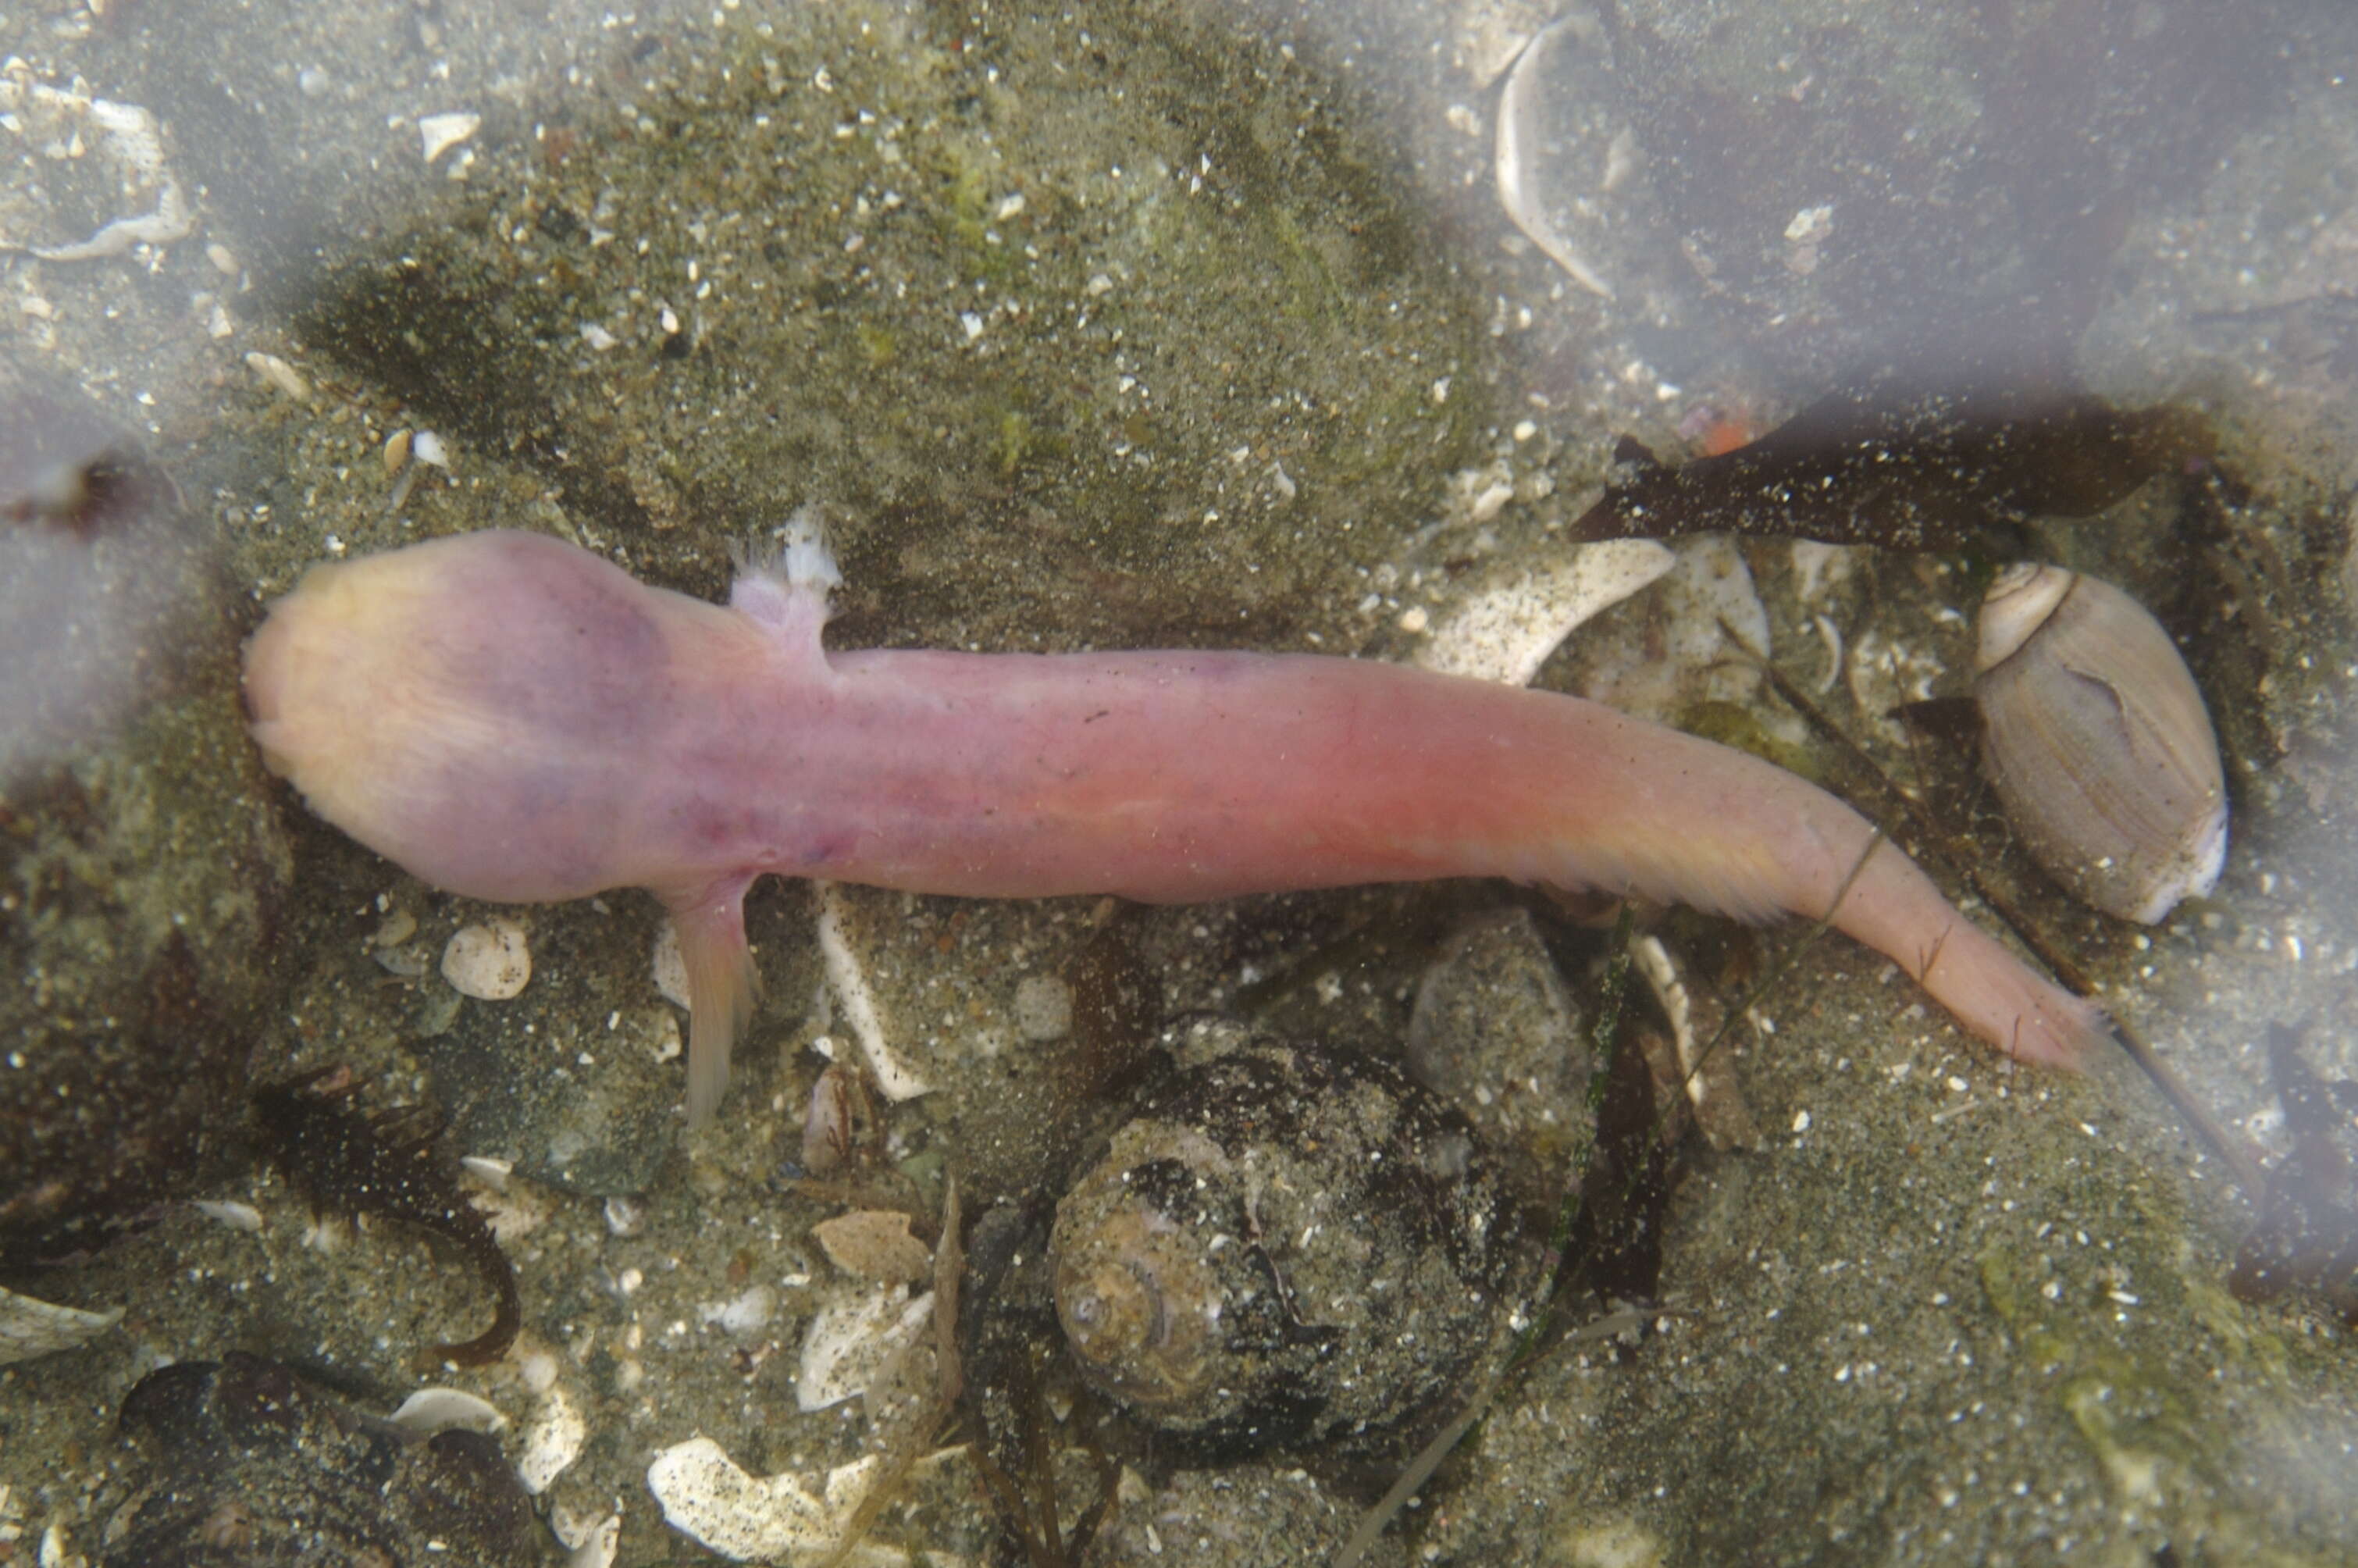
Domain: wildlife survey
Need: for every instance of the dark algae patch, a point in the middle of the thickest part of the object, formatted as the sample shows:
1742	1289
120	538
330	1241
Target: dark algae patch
386	1166
240	1461
1916	465
2307	1238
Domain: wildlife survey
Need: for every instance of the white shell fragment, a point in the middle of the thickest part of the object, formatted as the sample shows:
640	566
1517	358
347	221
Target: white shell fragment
2098	745
491	962
1522	145
591	1543
429	1410
670	968
284	377
1505	633
849	1341
132	140
553	1442
29	1327
439	133
1709	1076
776	1517
489	1169
875	1244
229	1212
848	978
745	1316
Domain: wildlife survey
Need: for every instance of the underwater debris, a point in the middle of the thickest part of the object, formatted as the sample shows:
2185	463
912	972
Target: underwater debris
1909	463
348	1162
2307	1238
1212	1267
30	1327
240	1461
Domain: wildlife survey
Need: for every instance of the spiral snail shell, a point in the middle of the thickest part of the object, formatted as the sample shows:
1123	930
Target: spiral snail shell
1284	1246
2098	743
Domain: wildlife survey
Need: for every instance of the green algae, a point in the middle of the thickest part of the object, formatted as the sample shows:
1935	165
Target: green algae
1095	309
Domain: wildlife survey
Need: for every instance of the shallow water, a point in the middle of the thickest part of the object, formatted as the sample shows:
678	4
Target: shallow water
1136	328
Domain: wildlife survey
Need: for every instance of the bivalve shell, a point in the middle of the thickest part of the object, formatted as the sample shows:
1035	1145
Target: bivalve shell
2098	743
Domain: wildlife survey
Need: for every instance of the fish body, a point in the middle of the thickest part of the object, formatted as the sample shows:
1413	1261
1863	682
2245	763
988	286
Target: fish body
514	719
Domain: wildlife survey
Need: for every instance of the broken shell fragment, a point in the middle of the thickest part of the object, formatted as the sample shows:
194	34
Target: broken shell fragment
553	1442
438	134
778	1518
2097	741
852	1339
30	1327
1556	225
875	1244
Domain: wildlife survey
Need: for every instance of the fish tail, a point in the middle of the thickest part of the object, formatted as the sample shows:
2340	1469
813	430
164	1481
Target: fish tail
1892	906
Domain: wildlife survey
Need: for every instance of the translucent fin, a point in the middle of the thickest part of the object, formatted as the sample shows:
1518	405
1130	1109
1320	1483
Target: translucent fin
783	582
720	985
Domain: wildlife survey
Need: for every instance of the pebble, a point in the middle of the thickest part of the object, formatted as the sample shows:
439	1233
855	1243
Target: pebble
591	1542
280	375
491	962
1044	1007
237	1215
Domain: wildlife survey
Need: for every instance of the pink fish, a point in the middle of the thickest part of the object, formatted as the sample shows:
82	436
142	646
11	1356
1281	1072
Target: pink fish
512	718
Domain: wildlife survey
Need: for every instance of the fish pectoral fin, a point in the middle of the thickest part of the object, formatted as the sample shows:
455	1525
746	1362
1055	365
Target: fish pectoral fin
783	583
721	982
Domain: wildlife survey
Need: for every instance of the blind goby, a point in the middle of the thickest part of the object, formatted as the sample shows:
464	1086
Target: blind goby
512	718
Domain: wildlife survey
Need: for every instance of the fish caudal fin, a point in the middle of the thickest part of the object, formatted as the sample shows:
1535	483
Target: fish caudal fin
720	986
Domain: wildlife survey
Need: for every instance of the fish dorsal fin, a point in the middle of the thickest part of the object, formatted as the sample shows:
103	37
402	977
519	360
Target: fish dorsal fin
1634	454
782	583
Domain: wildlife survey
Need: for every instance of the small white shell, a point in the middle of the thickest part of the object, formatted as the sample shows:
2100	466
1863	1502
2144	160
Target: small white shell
2096	740
429	1410
491	962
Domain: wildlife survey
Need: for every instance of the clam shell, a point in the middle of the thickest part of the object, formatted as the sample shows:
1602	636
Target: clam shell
2098	743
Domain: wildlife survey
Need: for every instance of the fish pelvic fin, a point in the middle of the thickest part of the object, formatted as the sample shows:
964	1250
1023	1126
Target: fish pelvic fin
721	984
